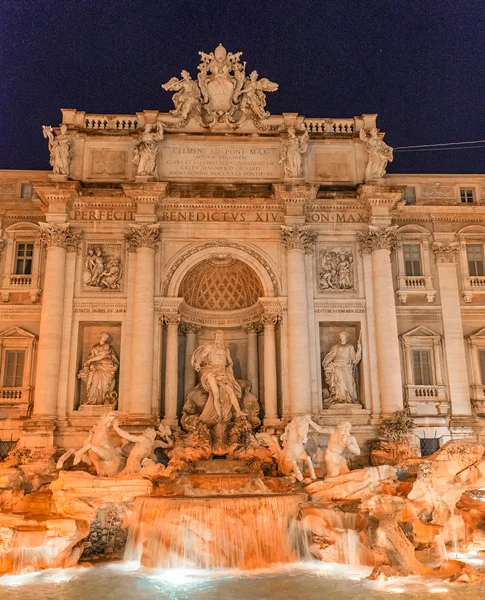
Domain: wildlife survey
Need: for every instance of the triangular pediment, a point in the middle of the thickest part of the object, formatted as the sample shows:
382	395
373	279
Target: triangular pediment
421	331
478	334
17	332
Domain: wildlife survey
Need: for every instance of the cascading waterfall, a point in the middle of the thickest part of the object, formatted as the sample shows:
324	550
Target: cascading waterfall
243	532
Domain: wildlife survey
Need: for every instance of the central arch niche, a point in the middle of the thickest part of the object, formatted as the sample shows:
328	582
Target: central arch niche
219	283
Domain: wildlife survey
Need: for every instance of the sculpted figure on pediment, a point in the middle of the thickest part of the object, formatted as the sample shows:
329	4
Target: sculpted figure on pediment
223	93
291	153
379	154
146	150
187	96
60	150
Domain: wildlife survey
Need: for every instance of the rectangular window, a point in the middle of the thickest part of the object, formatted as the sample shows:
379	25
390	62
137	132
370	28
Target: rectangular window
422	367
410	195
474	254
14	368
26	191
481	360
23	259
412	260
466	195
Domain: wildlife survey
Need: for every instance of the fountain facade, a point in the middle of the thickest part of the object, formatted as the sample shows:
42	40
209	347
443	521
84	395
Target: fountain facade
229	340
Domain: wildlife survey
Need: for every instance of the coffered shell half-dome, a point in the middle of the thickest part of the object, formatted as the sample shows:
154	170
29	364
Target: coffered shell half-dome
221	282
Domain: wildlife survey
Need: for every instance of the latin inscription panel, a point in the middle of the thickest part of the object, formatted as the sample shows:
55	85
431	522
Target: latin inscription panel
220	161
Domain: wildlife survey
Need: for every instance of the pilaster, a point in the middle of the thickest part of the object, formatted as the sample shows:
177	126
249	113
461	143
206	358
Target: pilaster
446	250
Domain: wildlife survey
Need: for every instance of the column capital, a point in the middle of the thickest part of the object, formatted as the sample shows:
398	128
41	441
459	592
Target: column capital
61	235
298	237
377	238
142	236
446	252
254	327
270	319
189	327
171	319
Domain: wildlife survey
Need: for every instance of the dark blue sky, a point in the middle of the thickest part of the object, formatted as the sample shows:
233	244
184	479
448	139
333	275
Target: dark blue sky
418	63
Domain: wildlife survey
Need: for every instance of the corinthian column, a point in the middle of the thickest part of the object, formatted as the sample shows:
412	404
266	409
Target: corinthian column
252	329
57	239
190	330
298	239
171	370
380	241
143	240
269	322
455	353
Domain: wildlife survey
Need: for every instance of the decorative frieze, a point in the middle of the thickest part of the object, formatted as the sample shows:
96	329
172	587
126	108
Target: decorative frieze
377	238
446	252
336	269
61	235
142	236
102	267
298	237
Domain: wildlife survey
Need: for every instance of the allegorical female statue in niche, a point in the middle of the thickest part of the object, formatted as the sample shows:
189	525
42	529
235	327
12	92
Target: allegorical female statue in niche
339	366
99	372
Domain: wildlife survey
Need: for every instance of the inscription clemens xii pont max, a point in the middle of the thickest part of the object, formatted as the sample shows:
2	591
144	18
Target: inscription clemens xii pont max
216	162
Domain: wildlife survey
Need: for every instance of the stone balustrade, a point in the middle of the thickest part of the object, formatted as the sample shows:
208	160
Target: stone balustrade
329	126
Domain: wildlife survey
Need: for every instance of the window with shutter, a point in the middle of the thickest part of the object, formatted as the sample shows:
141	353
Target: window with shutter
474	253
422	367
14	368
412	260
481	359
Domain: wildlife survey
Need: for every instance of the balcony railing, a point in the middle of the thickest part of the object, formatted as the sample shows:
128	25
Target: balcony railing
426	400
21	280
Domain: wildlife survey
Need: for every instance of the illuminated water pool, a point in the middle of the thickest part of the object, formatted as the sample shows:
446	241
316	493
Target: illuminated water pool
301	582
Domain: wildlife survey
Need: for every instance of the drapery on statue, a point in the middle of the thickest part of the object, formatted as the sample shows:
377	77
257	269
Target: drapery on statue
339	368
214	363
291	153
60	150
379	155
146	150
99	372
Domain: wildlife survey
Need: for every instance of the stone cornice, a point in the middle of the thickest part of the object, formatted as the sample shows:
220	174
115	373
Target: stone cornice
147	192
60	192
377	195
295	194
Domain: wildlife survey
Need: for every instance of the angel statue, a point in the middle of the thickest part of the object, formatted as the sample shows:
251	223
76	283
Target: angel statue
187	95
253	97
146	150
292	151
379	154
60	150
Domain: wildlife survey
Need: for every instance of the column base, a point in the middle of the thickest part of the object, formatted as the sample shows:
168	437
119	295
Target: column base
463	426
38	433
173	423
271	421
139	420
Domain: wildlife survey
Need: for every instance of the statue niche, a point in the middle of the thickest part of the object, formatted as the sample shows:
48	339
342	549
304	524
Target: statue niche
220	404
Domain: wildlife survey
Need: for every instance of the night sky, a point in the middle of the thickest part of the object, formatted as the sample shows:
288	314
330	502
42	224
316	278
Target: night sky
418	63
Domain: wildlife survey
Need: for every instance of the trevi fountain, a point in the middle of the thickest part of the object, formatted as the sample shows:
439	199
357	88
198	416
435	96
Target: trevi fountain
238	360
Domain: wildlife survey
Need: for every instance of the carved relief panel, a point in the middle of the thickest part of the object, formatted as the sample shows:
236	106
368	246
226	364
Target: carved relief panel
336	268
103	164
102	267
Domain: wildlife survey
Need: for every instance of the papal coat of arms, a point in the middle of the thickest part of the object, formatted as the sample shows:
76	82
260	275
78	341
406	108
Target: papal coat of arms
222	93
